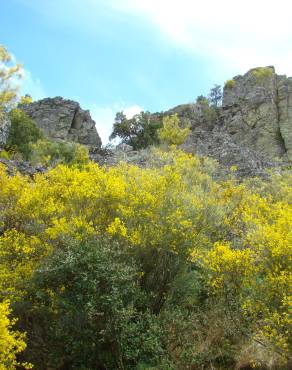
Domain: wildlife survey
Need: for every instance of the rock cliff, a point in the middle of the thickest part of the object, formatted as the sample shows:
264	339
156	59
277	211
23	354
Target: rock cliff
252	129
62	119
257	111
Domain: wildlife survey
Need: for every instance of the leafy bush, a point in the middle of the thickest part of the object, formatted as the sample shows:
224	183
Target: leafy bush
201	99
4	154
27	139
229	84
94	314
204	112
23	132
171	133
262	73
51	153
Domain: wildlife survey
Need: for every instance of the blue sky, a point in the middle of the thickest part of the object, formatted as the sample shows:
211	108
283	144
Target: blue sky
141	54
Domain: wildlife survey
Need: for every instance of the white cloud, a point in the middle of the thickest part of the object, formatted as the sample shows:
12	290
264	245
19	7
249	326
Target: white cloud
132	110
105	116
234	35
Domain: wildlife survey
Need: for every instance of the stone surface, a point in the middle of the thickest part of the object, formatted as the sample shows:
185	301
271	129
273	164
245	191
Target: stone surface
253	128
25	168
284	103
62	119
257	112
219	145
4	129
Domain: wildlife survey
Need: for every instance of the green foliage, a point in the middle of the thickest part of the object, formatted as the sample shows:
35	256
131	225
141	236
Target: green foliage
262	73
139	131
26	99
4	154
51	153
215	96
22	134
161	267
86	306
229	84
201	99
28	140
171	133
8	72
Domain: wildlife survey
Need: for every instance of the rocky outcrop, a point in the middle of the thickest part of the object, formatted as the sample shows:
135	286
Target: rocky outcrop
284	104
219	145
14	166
4	129
253	128
62	119
257	112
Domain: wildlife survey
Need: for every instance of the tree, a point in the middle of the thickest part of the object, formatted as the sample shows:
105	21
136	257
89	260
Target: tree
9	72
23	132
201	99
139	131
215	96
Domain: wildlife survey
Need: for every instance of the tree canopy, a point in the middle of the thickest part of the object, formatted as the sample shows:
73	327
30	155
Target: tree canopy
10	72
139	131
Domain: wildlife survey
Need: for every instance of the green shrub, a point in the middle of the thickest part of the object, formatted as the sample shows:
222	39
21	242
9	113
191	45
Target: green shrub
4	154
201	99
262	73
86	309
50	153
22	134
229	84
206	110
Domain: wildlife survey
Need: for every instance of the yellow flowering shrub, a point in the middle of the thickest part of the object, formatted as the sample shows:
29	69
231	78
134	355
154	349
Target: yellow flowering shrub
171	133
11	342
239	235
258	266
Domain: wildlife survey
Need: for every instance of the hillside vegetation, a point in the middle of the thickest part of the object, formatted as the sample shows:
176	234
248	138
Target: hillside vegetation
169	266
161	267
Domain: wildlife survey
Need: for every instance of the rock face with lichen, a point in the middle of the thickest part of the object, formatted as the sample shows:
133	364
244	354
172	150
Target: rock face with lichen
62	119
284	104
257	112
252	129
4	129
